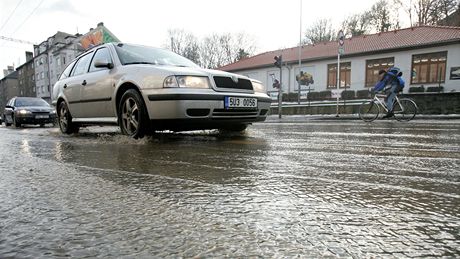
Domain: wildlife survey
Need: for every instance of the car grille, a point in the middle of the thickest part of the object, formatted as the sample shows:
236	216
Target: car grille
227	82
237	113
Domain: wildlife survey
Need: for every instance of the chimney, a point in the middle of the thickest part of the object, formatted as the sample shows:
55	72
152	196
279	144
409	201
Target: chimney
29	55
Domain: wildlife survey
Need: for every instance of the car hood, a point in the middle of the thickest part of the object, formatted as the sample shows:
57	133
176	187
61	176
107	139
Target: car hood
196	71
35	108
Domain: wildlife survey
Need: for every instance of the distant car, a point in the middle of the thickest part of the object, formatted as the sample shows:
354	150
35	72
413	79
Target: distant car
144	89
28	110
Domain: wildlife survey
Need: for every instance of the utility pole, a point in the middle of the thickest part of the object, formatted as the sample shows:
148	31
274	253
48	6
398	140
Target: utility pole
279	63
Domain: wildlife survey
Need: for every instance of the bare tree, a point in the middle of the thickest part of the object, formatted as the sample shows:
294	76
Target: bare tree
319	32
428	12
442	10
214	50
356	24
382	17
185	44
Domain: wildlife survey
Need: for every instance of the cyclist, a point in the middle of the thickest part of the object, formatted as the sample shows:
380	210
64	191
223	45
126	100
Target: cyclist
392	83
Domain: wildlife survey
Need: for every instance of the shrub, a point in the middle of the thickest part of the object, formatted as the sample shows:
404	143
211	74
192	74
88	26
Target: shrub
313	96
363	94
325	95
435	89
417	89
348	95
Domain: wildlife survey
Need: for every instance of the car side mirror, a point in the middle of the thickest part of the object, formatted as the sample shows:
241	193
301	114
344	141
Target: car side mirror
101	63
9	107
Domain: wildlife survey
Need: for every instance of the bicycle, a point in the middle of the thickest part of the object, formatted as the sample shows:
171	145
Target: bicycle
404	109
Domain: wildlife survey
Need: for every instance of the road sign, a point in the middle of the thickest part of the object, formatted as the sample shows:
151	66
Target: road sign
341	50
341	38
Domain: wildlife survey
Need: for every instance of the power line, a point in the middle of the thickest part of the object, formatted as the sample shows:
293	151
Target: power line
30	14
11	14
16	40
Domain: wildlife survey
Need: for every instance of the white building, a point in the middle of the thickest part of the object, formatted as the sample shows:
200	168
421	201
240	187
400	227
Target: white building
427	55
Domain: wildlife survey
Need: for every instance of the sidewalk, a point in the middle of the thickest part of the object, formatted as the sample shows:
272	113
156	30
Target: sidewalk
345	117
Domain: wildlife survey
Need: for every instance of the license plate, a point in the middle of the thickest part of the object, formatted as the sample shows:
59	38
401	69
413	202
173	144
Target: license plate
42	116
240	102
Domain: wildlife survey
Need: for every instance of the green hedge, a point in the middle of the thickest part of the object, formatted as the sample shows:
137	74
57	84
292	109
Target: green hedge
363	94
417	89
348	95
435	89
313	96
325	95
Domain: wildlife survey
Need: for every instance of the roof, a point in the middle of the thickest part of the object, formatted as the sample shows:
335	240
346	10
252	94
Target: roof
12	75
414	37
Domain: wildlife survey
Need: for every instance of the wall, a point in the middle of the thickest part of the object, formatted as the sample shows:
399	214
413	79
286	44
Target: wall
403	59
427	103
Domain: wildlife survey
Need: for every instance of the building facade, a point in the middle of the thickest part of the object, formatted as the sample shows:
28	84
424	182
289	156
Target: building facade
429	57
9	88
26	77
53	55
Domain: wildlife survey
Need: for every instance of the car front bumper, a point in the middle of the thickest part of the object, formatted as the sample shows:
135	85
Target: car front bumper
203	110
33	119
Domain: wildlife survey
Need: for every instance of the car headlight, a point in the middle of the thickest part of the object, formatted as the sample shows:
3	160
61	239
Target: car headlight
186	82
52	112
258	87
23	112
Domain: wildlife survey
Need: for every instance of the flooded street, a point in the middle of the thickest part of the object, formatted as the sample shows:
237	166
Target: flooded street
280	190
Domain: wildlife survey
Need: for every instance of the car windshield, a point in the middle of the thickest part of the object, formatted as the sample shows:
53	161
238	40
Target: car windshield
21	102
135	54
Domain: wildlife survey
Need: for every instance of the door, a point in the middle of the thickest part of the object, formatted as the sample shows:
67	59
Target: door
74	84
96	95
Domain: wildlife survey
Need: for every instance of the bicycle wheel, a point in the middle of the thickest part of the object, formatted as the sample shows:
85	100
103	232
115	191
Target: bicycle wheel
369	111
405	110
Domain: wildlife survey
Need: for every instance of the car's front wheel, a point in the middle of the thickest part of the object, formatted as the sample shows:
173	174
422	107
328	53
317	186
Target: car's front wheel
65	120
132	114
16	123
234	128
5	121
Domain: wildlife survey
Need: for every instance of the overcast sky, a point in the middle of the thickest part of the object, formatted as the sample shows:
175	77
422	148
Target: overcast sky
272	23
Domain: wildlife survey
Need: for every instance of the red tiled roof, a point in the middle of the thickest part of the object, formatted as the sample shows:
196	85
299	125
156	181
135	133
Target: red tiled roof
392	40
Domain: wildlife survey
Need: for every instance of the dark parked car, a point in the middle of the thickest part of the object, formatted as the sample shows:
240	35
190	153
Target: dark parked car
28	110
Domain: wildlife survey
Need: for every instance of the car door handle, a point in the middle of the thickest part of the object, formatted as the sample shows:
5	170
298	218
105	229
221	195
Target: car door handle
84	82
65	86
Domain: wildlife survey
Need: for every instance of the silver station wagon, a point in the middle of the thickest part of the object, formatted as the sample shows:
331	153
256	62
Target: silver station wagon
144	89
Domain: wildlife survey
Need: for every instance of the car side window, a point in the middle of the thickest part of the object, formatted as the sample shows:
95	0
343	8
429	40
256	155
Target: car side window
67	71
82	65
103	55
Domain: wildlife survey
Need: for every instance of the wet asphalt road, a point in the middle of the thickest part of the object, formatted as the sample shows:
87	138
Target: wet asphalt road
303	189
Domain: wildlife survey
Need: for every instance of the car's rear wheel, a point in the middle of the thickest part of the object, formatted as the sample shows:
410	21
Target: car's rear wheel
65	120
16	123
132	114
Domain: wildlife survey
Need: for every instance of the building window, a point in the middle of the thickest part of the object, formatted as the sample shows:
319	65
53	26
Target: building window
63	60
38	62
33	78
32	65
43	75
373	66
429	68
345	75
58	61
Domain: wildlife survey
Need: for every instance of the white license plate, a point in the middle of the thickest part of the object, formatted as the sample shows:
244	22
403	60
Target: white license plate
42	116
240	102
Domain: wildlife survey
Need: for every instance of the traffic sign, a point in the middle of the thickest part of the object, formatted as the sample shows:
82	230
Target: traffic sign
341	38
